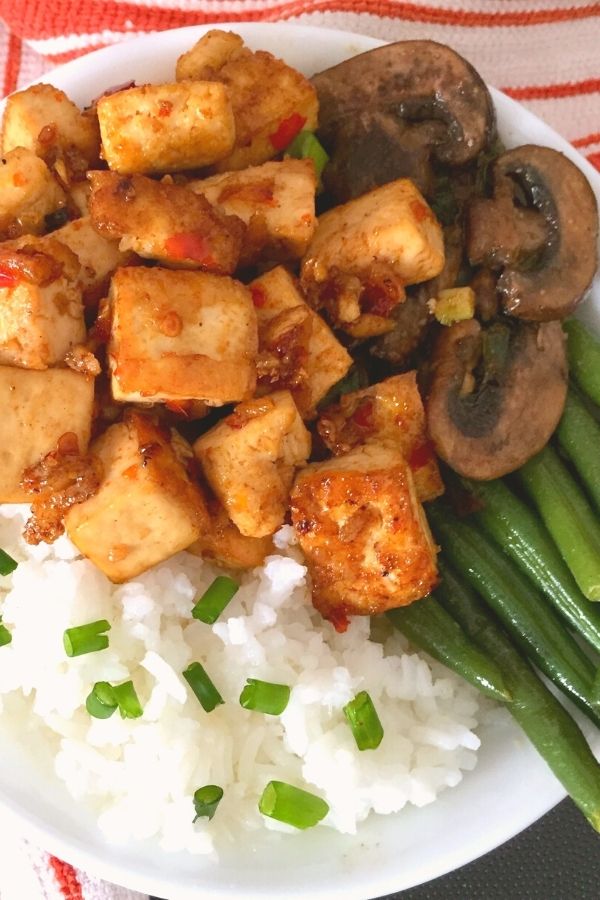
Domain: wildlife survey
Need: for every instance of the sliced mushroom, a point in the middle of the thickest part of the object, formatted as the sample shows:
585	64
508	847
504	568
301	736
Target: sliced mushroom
541	229
395	107
496	394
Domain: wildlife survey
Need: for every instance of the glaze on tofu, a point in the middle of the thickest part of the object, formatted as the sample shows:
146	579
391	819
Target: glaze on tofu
28	193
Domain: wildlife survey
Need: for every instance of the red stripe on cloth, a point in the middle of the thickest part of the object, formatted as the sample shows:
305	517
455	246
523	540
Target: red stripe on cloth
594	159
554	91
13	64
67	879
587	140
46	20
60	58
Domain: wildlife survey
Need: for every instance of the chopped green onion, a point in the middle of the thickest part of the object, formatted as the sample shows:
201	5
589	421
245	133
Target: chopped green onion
202	686
5	635
214	600
86	638
7	563
292	805
101	702
206	800
265	697
306	145
364	722
128	701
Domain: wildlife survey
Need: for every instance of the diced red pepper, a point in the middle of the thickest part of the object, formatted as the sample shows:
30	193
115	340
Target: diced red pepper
363	414
190	245
287	131
421	455
8	279
259	297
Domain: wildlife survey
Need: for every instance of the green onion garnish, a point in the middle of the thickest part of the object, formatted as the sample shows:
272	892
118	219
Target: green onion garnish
7	563
127	700
214	600
202	686
292	805
101	702
265	697
5	635
306	145
206	800
86	638
364	722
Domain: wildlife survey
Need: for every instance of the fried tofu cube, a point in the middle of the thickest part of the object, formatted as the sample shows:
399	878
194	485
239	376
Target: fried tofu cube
364	253
28	193
38	408
363	532
277	203
297	350
271	101
391	413
167	222
249	460
146	508
98	256
180	335
43	108
222	542
165	127
41	311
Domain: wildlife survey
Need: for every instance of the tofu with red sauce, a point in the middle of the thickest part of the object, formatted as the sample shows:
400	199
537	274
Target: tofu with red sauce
391	413
249	460
38	408
297	349
41	309
366	251
363	533
166	127
276	201
271	101
222	542
146	509
28	193
163	221
179	335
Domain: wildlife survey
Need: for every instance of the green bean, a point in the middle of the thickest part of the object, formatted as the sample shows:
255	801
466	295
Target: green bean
551	730
579	437
512	525
428	626
531	623
583	351
567	516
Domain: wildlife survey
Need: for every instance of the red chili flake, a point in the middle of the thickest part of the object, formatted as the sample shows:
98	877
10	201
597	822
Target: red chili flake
338	619
165	108
419	210
421	455
8	279
259	298
190	245
287	131
363	414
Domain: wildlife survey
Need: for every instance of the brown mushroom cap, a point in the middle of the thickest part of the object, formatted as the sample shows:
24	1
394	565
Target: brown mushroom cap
496	394
548	250
372	99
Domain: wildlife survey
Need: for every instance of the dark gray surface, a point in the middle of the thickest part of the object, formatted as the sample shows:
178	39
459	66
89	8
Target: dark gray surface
558	858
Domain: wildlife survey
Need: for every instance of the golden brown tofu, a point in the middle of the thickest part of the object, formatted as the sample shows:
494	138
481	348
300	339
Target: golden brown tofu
364	534
146	508
365	252
28	193
98	257
297	350
167	222
391	413
41	311
224	543
271	101
40	116
249	460
180	335
38	408
165	127
276	201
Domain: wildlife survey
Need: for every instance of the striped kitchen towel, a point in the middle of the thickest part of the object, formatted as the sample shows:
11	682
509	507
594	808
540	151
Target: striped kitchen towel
544	53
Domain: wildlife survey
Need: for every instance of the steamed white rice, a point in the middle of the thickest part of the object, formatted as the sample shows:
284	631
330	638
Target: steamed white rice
139	775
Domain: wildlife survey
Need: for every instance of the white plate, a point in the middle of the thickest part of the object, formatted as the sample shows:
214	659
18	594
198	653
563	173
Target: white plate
510	788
